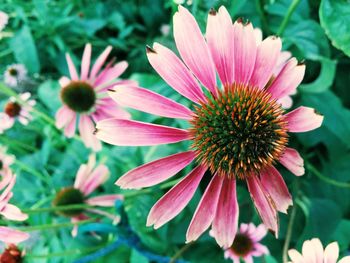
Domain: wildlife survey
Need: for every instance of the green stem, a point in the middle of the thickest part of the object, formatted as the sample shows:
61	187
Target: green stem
289	234
180	252
286	19
311	168
55	226
56	208
28	169
260	8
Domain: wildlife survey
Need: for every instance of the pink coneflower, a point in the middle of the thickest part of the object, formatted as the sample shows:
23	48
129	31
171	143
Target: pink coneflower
86	97
246	244
5	160
15	109
4	18
88	178
15	74
9	211
238	130
313	252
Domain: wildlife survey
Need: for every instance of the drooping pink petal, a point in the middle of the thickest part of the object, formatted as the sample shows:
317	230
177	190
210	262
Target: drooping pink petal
274	184
225	222
286	102
85	62
12	212
86	130
98	176
174	72
104	200
149	101
244	51
303	119
9	236
219	36
260	250
295	256
263	203
99	62
69	130
206	209
265	62
331	253
72	70
259	233
175	200
135	133
292	160
111	74
156	172
287	80
193	48
81	176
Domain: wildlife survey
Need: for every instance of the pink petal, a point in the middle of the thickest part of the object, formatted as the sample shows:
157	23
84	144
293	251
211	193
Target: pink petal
259	233
104	200
10	236
345	260
12	212
309	252
282	60
69	131
98	176
148	101
303	119
220	42
292	160
155	172
81	176
286	102
274	184
295	256
64	81
260	250
206	209
266	59
225	222
99	62
111	74
245	51
175	200
85	62
86	130
72	70
174	72
135	133
287	80
331	253
263	203
193	48
318	249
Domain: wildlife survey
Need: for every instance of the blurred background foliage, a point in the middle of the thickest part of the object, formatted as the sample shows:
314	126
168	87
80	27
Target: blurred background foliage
40	32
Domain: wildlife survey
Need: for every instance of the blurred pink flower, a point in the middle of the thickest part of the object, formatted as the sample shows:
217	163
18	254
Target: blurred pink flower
246	244
15	74
15	109
4	18
86	97
312	251
88	178
5	160
10	211
238	131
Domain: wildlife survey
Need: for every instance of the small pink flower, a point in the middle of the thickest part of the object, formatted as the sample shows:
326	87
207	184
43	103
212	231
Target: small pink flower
88	178
312	251
4	18
237	129
86	97
246	244
5	160
10	211
16	110
15	74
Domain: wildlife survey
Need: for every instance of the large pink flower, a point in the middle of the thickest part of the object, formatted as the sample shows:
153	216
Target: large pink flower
246	244
88	178
238	130
85	96
312	252
10	211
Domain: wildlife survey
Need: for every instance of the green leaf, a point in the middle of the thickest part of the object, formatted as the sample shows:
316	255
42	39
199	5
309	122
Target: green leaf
335	19
136	257
24	49
324	80
48	93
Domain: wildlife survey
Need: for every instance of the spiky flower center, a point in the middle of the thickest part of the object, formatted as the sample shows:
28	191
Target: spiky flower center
79	96
12	109
13	72
242	245
69	196
239	132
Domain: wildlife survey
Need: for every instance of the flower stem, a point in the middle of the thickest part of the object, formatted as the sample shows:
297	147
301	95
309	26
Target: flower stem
289	233
28	169
180	252
286	19
55	226
260	8
56	208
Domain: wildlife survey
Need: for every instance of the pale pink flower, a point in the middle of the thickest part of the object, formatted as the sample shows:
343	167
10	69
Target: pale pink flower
88	178
10	211
312	252
246	244
16	110
15	74
5	160
85	96
238	130
4	18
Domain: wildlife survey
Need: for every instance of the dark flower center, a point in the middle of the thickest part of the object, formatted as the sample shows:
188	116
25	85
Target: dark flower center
239	132
13	72
78	96
1	165
69	196
242	245
11	255
12	109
